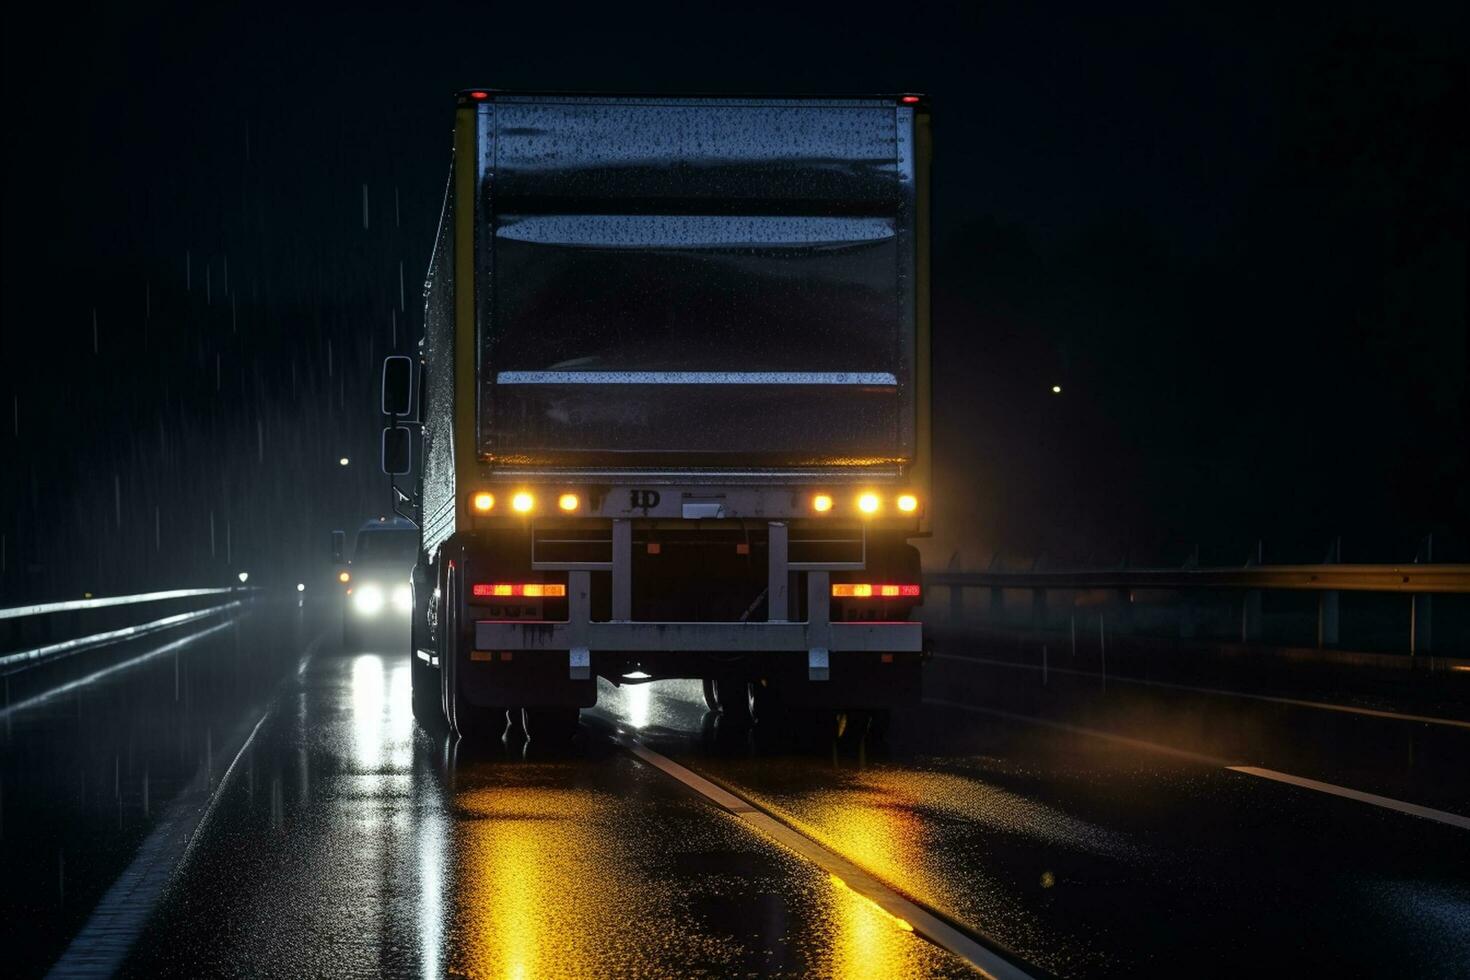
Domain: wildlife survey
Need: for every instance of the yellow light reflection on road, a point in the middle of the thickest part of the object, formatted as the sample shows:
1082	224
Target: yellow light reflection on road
866	941
522	898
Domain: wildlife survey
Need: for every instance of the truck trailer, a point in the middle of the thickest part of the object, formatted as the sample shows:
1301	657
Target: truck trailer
670	413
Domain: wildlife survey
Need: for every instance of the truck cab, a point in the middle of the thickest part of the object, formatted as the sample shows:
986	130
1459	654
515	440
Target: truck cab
670	416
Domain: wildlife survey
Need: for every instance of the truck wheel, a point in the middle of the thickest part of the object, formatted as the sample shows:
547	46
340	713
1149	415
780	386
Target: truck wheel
428	703
733	697
764	703
550	726
469	721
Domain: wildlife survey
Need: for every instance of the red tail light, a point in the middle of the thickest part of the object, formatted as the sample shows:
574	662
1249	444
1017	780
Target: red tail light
530	590
868	590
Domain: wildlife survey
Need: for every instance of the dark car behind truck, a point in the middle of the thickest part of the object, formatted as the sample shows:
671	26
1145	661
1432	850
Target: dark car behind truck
671	410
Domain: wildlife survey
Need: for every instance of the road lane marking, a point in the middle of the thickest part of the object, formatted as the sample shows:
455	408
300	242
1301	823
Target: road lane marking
1413	809
909	915
1136	743
117	921
1296	702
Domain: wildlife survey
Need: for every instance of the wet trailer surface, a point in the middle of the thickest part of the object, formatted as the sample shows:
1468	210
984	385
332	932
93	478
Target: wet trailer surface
256	801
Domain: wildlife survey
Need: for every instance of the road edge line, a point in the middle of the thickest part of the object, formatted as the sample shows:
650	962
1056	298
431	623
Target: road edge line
103	943
1332	789
1216	691
910	915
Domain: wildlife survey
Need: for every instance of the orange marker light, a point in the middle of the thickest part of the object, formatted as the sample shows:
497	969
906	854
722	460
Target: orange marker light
568	502
868	503
483	502
821	503
344	577
908	503
522	502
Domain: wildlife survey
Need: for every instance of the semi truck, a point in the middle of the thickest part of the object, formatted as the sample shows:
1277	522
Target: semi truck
670	413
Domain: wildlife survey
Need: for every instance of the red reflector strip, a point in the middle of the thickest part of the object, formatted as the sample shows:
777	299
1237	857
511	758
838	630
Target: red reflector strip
867	590
534	590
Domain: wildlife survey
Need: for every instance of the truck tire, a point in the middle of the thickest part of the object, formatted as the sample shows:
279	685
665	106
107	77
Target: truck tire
733	697
709	694
472	722
428	704
550	726
764	702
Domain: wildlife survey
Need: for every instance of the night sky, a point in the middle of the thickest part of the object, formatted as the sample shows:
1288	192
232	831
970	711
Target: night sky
1235	239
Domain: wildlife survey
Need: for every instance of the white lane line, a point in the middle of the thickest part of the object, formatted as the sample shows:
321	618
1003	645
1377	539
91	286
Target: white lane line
117	921
1453	819
909	916
1297	702
1413	809
1062	726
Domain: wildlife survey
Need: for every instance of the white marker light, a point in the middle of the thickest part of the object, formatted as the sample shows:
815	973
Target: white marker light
243	576
300	586
343	461
1056	389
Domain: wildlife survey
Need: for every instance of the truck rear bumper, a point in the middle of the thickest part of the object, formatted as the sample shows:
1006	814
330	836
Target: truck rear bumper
631	637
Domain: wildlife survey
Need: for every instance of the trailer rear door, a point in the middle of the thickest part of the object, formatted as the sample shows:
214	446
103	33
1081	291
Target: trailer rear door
696	283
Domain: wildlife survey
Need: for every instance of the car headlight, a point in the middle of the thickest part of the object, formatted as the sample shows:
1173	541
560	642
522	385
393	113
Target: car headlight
368	600
402	598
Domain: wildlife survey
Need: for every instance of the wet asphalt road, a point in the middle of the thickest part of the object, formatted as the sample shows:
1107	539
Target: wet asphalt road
346	841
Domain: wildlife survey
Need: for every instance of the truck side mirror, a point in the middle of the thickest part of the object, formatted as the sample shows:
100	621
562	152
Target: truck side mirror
397	450
339	547
397	385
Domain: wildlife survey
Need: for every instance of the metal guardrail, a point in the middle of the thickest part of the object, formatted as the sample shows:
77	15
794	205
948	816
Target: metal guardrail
70	605
1411	578
1419	581
12	661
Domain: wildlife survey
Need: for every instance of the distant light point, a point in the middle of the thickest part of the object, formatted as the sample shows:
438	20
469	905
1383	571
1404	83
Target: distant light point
1056	389
300	586
344	460
244	576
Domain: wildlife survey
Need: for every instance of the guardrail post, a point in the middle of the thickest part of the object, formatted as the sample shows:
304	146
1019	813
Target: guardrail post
1125	610
1250	617
1328	618
1421	633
